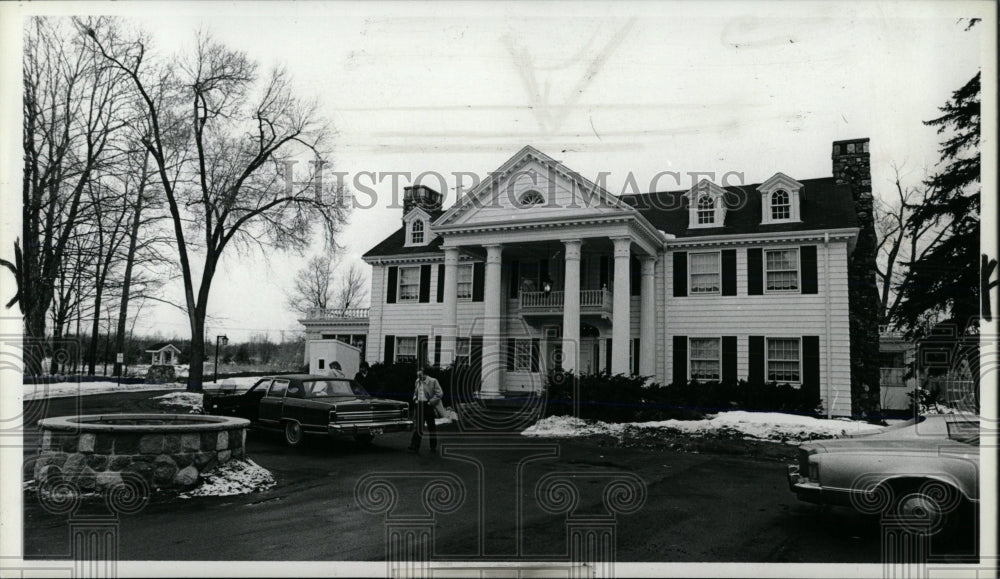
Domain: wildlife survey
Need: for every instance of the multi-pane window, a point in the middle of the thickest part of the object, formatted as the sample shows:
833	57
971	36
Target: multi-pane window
406	349
782	269
706	210
706	356
783	363
522	355
463	347
417	231
465	282
409	284
532	198
781	205
705	268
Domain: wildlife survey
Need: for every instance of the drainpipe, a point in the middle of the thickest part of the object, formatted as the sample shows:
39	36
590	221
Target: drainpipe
829	349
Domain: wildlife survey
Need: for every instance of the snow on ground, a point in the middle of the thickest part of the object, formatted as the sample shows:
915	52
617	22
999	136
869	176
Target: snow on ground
190	400
63	389
236	477
757	425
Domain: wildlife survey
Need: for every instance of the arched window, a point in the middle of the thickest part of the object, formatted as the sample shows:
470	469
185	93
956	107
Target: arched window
706	210
531	198
417	231
781	205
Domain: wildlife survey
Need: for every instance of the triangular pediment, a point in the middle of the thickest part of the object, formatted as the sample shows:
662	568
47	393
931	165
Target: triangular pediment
705	186
531	186
779	181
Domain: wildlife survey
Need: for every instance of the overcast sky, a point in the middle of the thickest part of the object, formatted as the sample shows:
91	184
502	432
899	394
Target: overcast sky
642	88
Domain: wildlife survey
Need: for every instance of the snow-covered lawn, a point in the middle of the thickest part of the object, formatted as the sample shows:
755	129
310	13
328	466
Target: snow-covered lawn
756	425
190	400
236	477
63	389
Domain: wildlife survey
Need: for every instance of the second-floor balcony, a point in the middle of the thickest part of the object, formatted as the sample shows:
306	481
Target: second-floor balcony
349	314
593	302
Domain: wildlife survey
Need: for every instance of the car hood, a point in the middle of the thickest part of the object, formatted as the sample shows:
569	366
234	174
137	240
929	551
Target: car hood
868	445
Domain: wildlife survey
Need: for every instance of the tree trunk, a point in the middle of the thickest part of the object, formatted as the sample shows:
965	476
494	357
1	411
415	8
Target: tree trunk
96	326
196	362
129	260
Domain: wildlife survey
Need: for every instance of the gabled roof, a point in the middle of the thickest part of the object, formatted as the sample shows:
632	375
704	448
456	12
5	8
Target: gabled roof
162	346
395	244
824	205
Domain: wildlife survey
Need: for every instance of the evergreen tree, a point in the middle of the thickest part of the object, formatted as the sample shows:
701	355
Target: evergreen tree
945	280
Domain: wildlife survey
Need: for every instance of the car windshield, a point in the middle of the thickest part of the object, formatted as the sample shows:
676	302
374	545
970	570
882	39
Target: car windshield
318	388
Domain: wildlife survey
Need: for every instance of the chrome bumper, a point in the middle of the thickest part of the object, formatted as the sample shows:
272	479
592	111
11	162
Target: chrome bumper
803	488
362	427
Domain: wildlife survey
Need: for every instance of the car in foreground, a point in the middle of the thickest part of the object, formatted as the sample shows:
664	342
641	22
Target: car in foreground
301	404
923	473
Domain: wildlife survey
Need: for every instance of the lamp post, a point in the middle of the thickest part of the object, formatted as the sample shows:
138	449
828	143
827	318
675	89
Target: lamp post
224	341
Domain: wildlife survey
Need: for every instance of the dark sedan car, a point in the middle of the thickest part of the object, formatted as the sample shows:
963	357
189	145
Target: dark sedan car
302	404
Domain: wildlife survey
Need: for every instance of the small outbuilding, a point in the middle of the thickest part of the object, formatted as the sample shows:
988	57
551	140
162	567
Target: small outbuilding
163	354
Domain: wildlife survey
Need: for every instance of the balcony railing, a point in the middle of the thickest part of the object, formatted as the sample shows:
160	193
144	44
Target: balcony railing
339	314
591	301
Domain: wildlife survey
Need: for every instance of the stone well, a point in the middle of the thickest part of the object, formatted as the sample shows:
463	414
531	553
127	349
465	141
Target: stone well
95	452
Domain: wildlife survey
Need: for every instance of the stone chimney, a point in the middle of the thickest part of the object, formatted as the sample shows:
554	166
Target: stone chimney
421	196
852	167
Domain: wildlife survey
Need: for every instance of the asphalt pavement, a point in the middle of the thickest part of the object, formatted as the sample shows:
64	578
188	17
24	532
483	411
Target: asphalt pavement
501	497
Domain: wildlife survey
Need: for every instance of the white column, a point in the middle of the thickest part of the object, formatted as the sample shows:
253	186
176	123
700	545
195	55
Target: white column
571	307
647	319
449	319
493	361
620	313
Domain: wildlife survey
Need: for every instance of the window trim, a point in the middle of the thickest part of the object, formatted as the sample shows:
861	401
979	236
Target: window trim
787	205
523	204
458	281
690	351
461	358
699	210
798	270
518	342
399	284
767	360
414	231
397	350
690	264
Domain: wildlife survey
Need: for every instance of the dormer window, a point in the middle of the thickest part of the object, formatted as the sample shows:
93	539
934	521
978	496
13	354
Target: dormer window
532	198
706	210
417	232
781	206
779	200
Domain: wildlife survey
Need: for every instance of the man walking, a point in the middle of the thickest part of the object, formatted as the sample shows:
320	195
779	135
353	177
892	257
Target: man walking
427	393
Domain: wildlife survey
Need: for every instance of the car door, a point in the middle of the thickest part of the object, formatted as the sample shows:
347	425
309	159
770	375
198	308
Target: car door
271	403
249	406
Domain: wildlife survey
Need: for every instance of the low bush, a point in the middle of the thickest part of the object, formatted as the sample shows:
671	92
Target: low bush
621	398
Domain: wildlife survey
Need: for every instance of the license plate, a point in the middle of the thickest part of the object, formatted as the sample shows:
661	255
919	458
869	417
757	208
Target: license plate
376	431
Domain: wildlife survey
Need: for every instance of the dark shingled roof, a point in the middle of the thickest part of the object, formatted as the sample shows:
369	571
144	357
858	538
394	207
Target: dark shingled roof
823	205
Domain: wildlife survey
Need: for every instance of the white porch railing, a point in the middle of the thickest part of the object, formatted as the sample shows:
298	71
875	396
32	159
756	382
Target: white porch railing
590	300
339	314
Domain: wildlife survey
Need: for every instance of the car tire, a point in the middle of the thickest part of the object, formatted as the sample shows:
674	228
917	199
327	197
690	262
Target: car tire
364	439
293	433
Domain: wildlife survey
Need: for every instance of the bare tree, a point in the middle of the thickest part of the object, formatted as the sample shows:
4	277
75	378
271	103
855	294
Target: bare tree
311	288
899	244
223	137
352	288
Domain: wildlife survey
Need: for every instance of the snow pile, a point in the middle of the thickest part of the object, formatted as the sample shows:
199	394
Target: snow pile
63	389
236	477
755	425
190	400
450	416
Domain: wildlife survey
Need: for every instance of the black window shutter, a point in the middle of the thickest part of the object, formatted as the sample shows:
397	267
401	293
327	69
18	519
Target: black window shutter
390	290
437	350
810	365
478	281
810	282
605	274
515	279
635	356
440	296
755	271
536	353
543	270
390	349
680	274
421	351
510	354
607	357
728	359
729	272
680	360
476	352
635	273
755	351
425	283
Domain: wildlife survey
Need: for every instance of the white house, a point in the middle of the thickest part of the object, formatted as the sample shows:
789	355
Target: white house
538	267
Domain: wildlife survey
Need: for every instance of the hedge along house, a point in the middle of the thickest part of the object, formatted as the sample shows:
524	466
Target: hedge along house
538	267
